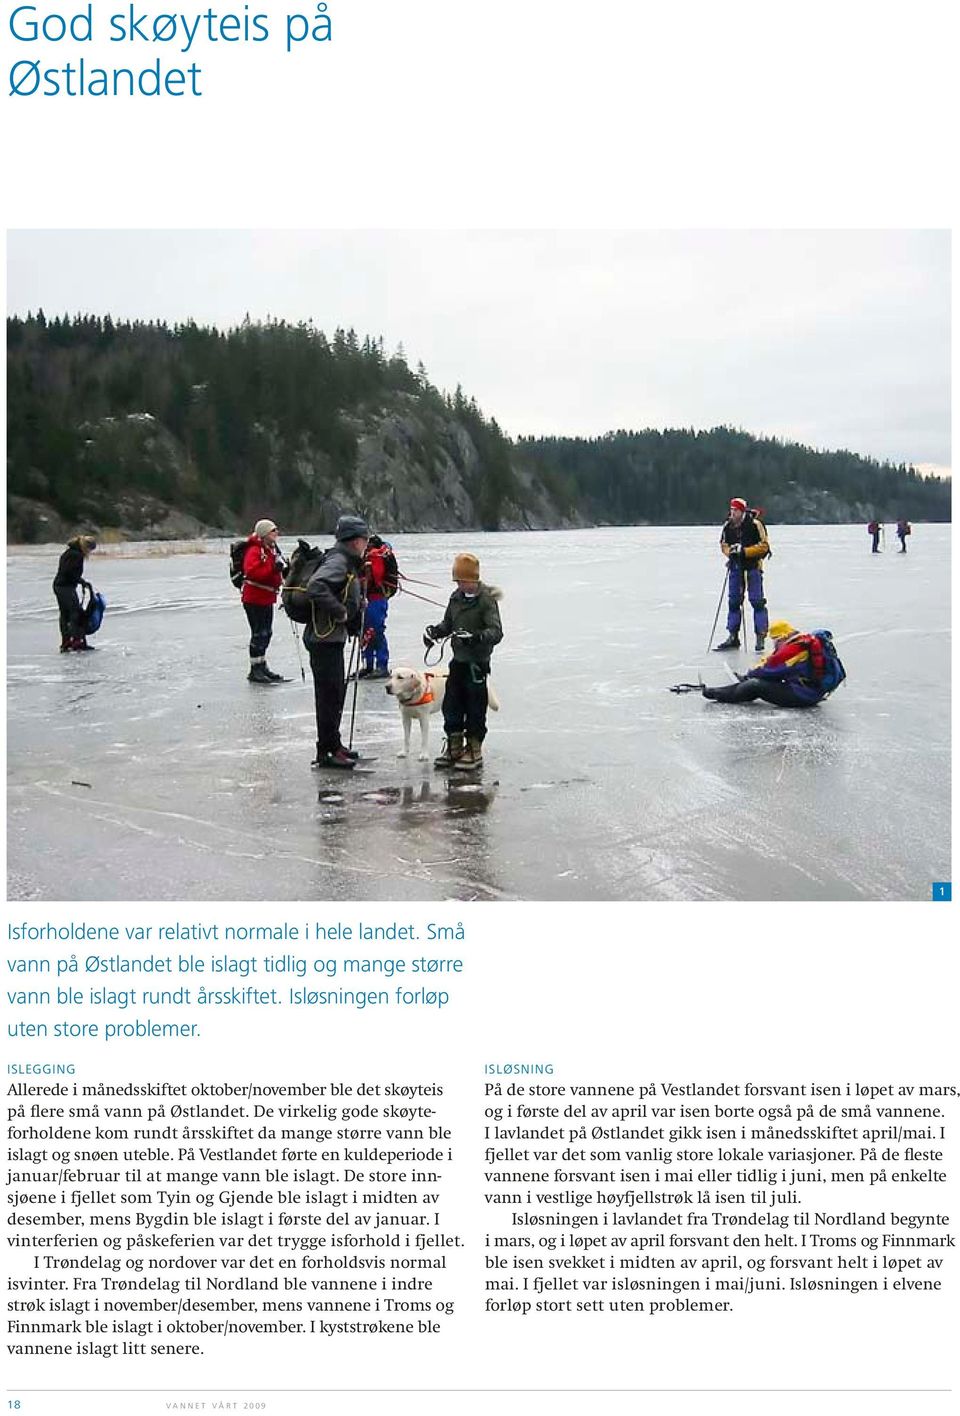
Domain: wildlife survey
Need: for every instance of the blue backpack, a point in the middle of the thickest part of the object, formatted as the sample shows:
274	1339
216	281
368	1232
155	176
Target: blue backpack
833	671
92	611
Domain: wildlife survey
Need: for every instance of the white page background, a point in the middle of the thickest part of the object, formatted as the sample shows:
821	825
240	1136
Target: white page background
447	115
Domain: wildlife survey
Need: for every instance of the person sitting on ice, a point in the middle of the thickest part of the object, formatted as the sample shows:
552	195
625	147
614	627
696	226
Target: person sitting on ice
802	670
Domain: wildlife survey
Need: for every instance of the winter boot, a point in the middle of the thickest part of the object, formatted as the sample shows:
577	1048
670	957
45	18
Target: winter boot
761	641
732	641
452	751
66	644
81	643
471	758
342	759
272	677
365	672
258	673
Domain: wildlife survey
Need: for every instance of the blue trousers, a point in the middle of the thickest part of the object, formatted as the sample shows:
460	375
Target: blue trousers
376	648
750	583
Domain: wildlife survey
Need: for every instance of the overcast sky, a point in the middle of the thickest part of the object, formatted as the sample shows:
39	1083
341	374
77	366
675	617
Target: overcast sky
834	339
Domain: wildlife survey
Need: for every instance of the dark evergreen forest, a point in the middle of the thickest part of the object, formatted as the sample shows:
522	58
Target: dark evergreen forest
208	422
681	476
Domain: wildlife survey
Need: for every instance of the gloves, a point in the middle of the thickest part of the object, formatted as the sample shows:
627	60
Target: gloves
430	635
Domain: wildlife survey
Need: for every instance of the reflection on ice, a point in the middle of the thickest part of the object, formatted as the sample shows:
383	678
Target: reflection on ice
152	769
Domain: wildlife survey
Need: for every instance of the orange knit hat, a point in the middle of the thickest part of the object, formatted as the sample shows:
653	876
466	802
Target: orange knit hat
466	567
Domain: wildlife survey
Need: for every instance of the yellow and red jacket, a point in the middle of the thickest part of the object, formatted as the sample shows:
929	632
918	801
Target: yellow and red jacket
802	662
750	536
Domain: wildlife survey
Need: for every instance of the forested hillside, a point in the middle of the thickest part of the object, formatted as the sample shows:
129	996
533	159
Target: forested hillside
150	430
680	476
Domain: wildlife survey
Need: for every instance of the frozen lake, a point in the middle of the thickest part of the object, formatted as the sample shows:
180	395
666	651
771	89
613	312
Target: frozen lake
152	770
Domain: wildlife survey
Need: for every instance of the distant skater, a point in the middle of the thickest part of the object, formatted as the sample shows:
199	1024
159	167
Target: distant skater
904	529
875	529
802	671
744	542
67	583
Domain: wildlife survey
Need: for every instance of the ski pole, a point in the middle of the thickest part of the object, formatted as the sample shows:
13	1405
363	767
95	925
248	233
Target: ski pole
296	640
719	605
350	668
356	681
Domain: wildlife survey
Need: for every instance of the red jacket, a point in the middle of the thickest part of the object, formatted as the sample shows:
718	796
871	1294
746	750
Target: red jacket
377	584
261	574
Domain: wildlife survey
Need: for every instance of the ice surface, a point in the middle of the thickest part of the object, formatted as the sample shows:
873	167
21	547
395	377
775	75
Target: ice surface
152	770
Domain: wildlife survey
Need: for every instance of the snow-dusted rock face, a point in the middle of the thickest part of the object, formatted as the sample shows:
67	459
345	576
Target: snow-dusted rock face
408	470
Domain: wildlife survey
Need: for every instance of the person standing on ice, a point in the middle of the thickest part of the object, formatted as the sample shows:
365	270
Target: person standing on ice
743	540
336	614
66	583
904	529
472	623
801	672
262	574
380	583
875	529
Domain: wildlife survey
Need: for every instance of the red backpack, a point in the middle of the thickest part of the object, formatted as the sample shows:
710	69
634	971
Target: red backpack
382	571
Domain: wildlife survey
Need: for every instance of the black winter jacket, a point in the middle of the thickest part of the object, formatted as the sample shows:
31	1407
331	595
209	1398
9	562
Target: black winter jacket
750	535
478	616
336	600
70	570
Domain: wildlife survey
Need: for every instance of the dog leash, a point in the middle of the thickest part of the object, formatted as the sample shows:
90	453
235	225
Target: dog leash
435	663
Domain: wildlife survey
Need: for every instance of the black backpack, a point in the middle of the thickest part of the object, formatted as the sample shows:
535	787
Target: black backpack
238	549
391	582
304	562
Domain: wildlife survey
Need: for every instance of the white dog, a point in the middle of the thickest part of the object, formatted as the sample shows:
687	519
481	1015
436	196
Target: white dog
419	694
